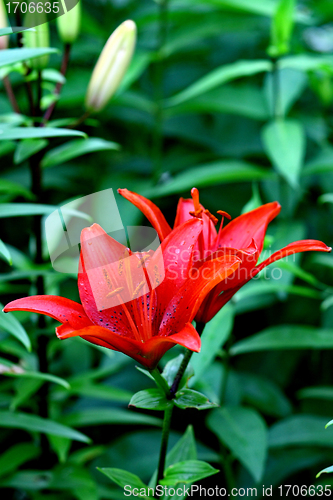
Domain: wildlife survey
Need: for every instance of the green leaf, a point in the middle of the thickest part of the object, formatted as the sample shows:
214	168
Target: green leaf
186	472
300	430
150	399
244	432
14	189
14	29
17	455
320	392
219	76
211	174
33	423
214	336
171	369
27	148
97	416
10	324
24	209
264	395
284	143
15	133
187	398
47	377
285	337
4	253
327	470
14	56
127	481
100	391
73	149
282	28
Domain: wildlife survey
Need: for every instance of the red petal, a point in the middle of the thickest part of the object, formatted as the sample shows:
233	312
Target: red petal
185	304
107	267
184	207
150	210
217	302
252	225
187	337
174	260
59	308
291	249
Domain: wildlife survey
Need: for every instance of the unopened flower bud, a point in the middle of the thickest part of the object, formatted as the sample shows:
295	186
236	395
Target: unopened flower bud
111	66
69	24
37	38
4	40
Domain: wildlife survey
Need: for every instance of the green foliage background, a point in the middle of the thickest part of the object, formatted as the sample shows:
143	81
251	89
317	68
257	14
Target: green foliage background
203	105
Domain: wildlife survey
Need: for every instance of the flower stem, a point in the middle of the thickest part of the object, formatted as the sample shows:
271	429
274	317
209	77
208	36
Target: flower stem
187	357
63	70
159	68
164	442
10	94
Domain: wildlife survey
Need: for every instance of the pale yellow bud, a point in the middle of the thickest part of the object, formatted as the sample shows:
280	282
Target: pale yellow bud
111	66
69	24
39	37
4	40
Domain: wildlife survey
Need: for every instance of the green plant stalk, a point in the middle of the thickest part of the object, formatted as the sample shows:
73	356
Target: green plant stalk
37	190
277	112
164	442
10	94
158	142
187	357
63	71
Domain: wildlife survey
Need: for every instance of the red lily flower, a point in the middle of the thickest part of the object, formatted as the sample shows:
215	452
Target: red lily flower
244	236
141	304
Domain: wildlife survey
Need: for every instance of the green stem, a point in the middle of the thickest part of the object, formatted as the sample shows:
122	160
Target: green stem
164	442
187	357
10	94
158	87
277	112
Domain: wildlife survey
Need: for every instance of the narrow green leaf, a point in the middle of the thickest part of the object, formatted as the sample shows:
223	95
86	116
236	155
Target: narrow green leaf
282	27
14	29
47	377
320	392
127	481
244	432
150	399
33	423
300	430
4	253
187	398
97	416
14	56
24	209
327	471
10	324
284	142
17	455
213	338
73	149
37	132
211	174
27	148
186	472
285	337
219	76
14	189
